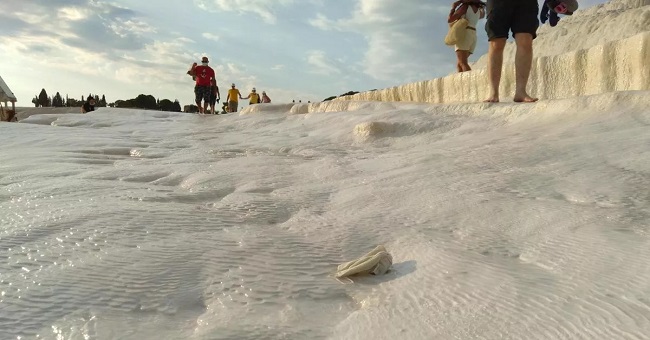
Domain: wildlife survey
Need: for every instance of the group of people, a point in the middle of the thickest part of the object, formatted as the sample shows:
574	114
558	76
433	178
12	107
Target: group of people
206	91
503	17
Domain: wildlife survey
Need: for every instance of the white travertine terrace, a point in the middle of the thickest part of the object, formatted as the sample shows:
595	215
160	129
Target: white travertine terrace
600	49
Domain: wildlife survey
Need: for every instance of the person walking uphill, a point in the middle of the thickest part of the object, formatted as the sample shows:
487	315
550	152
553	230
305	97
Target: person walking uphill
233	98
473	11
520	17
254	97
203	88
215	96
265	98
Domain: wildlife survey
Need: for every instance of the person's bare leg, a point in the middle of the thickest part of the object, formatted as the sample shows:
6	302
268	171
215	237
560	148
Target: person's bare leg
459	65
198	105
523	63
495	64
465	61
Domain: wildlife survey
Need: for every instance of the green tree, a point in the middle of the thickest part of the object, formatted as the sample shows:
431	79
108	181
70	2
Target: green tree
177	106
57	101
146	102
42	98
102	102
74	103
35	101
166	105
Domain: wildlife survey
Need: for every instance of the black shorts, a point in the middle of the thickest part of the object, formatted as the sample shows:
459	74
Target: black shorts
203	93
518	16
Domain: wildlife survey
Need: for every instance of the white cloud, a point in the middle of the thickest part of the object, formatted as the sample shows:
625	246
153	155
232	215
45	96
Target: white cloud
232	68
323	23
166	52
404	42
210	36
321	64
261	8
277	67
73	13
30	18
185	40
124	28
98	41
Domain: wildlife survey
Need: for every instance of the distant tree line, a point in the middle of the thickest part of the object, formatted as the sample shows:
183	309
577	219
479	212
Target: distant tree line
345	94
43	100
142	101
148	102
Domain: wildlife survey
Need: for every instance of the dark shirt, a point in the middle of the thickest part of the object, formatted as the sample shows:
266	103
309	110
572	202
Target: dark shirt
87	107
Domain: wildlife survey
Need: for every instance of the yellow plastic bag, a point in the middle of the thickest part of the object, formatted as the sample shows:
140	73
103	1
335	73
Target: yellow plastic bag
457	29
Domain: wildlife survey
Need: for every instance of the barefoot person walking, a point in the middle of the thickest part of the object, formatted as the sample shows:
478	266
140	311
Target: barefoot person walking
520	17
473	11
265	98
203	88
233	98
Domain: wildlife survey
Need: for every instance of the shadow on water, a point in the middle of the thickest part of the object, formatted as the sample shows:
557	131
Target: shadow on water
397	270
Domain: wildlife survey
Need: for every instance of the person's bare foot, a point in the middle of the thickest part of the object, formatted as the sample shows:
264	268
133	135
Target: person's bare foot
524	99
492	99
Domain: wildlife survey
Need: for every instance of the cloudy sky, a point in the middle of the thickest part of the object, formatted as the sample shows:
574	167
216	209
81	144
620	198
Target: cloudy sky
293	49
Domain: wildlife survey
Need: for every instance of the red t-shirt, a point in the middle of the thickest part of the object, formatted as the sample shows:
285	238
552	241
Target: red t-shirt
204	75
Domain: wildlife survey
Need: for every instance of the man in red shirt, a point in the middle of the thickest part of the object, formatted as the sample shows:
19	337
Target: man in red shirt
203	91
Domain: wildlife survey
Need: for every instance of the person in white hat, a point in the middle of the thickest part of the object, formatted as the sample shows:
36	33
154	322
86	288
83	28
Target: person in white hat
254	97
233	98
203	75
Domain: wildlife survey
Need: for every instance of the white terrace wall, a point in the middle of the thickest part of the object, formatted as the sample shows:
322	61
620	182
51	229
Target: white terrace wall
603	49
